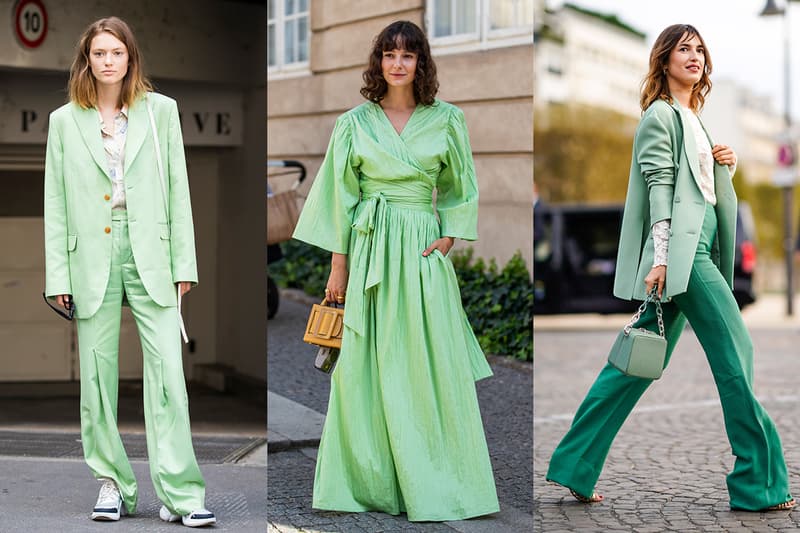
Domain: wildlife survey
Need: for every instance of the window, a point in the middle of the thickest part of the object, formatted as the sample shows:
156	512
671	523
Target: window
459	25
510	14
287	35
455	17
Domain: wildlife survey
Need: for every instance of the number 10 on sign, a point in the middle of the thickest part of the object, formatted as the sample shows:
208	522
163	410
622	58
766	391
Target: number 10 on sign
30	23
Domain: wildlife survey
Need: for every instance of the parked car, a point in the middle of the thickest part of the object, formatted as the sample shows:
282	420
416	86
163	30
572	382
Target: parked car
575	253
744	263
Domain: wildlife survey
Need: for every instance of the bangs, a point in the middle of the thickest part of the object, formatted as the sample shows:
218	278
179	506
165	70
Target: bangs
402	36
688	33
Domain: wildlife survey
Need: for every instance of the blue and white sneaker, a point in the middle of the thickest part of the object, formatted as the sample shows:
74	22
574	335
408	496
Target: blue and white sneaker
198	518
109	504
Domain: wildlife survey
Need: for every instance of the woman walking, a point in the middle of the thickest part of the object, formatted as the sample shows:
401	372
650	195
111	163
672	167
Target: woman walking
403	431
118	228
677	236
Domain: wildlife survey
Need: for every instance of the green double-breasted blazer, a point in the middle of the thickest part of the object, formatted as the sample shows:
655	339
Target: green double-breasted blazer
77	205
664	184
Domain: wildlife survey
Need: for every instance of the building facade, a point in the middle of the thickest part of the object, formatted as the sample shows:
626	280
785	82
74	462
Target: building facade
753	130
483	49
584	57
209	56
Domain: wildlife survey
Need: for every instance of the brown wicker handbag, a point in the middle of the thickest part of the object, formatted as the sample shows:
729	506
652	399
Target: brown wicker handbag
325	325
282	215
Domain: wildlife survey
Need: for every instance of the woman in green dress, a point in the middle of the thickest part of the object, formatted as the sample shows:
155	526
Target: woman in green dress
403	431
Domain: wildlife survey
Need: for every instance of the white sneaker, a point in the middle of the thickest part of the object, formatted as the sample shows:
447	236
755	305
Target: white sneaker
109	504
198	518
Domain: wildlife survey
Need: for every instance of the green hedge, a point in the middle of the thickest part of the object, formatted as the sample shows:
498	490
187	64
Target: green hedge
498	302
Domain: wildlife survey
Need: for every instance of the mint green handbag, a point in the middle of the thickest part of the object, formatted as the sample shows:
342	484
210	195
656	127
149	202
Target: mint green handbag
639	352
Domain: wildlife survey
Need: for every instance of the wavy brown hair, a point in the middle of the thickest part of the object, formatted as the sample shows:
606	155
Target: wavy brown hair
403	35
82	88
655	86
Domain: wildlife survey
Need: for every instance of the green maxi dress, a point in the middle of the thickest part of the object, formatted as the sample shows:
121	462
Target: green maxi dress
403	431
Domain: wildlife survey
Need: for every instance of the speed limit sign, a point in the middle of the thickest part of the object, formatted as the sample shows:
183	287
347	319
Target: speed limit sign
30	22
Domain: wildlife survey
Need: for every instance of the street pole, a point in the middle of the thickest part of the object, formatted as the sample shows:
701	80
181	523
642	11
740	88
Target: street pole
771	9
788	190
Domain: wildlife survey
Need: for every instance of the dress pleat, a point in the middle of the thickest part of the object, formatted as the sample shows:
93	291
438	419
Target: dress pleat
403	431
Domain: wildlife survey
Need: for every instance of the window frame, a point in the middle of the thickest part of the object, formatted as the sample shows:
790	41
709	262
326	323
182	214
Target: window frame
458	37
485	38
281	69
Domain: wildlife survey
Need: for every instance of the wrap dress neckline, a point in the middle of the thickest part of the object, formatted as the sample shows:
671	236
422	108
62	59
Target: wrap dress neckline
405	126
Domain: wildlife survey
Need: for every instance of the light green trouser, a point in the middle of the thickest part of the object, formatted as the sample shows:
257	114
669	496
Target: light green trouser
173	468
759	478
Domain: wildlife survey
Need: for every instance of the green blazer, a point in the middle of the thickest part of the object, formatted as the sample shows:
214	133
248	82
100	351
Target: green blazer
664	183
77	206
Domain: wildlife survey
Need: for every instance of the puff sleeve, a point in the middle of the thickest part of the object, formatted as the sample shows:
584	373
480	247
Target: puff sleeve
327	216
457	186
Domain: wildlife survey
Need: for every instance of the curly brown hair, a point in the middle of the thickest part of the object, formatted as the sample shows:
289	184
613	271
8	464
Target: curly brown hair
404	35
655	86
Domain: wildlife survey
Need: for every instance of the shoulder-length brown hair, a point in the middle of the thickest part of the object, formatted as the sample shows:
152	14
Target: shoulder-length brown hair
655	86
82	89
405	35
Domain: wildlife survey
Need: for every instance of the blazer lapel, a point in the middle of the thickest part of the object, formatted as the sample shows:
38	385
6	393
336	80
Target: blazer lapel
138	126
88	123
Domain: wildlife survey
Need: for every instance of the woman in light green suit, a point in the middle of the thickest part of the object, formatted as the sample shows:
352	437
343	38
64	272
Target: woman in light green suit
118	227
677	236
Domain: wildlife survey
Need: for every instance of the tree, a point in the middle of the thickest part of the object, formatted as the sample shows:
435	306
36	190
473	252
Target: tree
582	154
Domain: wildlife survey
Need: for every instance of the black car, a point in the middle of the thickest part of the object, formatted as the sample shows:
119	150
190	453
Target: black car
575	253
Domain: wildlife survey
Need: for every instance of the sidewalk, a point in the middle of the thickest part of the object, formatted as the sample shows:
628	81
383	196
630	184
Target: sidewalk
767	312
44	494
46	486
293	426
667	467
294	430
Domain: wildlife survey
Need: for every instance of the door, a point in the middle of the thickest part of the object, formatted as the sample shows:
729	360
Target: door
35	343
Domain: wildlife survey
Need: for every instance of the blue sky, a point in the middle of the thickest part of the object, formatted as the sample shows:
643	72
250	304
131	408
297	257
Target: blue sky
743	45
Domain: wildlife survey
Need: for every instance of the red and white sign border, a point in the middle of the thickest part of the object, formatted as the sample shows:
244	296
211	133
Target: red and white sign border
18	28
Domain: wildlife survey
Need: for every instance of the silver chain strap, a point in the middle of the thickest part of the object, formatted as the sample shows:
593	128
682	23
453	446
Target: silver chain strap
652	297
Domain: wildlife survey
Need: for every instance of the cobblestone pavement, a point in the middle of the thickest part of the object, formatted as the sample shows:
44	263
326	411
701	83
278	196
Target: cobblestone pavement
506	407
666	470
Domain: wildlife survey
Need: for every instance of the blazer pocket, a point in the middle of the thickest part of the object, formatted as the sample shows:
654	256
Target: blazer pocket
72	242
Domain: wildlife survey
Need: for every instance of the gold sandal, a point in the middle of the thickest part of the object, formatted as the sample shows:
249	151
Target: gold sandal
785	506
595	498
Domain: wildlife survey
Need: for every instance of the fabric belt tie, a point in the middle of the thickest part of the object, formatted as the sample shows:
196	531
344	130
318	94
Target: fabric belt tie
368	259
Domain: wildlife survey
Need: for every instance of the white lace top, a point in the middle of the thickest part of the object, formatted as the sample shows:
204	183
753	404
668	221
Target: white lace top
706	160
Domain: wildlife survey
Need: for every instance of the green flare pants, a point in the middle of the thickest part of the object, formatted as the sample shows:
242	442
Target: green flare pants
173	468
759	478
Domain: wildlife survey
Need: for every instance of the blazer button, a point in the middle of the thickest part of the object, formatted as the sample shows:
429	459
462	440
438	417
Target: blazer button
106	198
107	230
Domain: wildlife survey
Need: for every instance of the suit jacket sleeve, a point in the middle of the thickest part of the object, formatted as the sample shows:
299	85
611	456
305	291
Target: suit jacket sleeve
655	158
57	274
184	263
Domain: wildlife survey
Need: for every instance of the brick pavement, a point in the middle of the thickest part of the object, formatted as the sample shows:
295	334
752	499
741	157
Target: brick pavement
666	470
506	407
